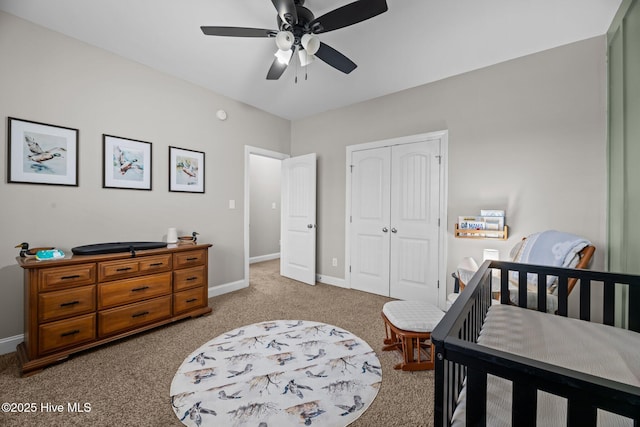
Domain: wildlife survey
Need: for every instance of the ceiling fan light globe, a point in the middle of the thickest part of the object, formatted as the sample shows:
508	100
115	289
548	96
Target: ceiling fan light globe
305	58
284	40
310	43
284	56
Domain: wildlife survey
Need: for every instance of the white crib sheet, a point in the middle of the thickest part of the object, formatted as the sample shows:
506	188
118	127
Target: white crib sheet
592	348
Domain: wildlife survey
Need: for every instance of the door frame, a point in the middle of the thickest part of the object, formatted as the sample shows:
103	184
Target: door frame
442	236
248	151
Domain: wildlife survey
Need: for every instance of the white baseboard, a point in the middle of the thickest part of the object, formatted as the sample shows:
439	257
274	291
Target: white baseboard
261	258
335	281
9	344
215	291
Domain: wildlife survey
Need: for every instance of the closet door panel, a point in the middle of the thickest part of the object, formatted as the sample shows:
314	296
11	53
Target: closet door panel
369	219
414	221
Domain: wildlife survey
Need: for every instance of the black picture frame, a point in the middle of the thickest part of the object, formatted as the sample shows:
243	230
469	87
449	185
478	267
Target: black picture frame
41	153
126	163
186	170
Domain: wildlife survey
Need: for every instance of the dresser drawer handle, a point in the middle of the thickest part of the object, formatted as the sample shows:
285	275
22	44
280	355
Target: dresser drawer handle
192	300
75	276
156	264
144	313
195	258
141	288
68	334
192	278
124	269
70	303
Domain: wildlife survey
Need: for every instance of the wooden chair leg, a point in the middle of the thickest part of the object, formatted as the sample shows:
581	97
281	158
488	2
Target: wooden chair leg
392	341
416	348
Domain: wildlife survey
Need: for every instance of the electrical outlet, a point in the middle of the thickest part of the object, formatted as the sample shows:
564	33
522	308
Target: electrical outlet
334	262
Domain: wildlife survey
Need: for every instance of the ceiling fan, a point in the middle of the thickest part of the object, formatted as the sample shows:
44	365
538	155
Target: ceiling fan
297	29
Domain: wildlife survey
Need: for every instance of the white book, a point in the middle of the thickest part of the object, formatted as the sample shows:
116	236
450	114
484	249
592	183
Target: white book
492	212
494	222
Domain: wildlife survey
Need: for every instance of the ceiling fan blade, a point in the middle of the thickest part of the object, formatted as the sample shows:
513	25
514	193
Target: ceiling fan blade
238	32
335	59
349	14
276	70
287	10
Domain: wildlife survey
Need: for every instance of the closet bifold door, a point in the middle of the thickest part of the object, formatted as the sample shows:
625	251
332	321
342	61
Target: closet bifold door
415	206
370	220
394	232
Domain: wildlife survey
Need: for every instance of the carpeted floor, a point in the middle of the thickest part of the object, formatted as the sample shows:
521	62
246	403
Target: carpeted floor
128	382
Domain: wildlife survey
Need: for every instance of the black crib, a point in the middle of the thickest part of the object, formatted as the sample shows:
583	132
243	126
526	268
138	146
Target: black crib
459	359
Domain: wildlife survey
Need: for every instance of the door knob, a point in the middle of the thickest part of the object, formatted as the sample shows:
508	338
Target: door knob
385	229
393	230
310	225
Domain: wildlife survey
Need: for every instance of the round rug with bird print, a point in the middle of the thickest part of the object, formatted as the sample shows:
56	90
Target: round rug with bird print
275	374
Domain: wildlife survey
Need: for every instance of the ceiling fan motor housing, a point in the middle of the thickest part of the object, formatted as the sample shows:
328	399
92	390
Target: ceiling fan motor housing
300	28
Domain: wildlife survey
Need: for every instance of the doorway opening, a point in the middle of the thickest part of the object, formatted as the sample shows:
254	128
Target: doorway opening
261	206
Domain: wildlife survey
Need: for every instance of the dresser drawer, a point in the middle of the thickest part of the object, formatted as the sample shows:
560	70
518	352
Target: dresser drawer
187	259
119	269
110	270
131	290
189	299
155	264
66	303
66	333
50	279
133	315
188	278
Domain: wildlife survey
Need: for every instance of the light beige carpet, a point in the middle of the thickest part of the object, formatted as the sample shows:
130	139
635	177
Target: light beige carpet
128	382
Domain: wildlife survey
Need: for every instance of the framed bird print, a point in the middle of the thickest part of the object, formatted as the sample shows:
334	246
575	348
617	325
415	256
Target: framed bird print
126	163
42	154
186	170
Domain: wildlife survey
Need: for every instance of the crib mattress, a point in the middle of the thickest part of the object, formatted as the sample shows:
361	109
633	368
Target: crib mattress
587	347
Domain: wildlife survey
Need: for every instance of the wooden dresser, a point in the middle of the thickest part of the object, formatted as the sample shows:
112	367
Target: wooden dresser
79	302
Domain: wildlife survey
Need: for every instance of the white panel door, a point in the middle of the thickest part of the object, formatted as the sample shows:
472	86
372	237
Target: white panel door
370	209
415	207
298	231
394	224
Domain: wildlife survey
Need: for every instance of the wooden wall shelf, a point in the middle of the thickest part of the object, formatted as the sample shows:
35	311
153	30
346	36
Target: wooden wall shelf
482	234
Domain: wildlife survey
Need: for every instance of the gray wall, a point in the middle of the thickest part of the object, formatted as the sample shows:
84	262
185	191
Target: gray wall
50	78
527	136
264	219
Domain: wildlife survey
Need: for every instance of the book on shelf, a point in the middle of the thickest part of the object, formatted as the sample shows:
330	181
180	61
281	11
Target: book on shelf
492	212
480	223
492	222
471	223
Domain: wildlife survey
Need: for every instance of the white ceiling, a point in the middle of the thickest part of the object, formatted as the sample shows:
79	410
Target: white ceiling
413	43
